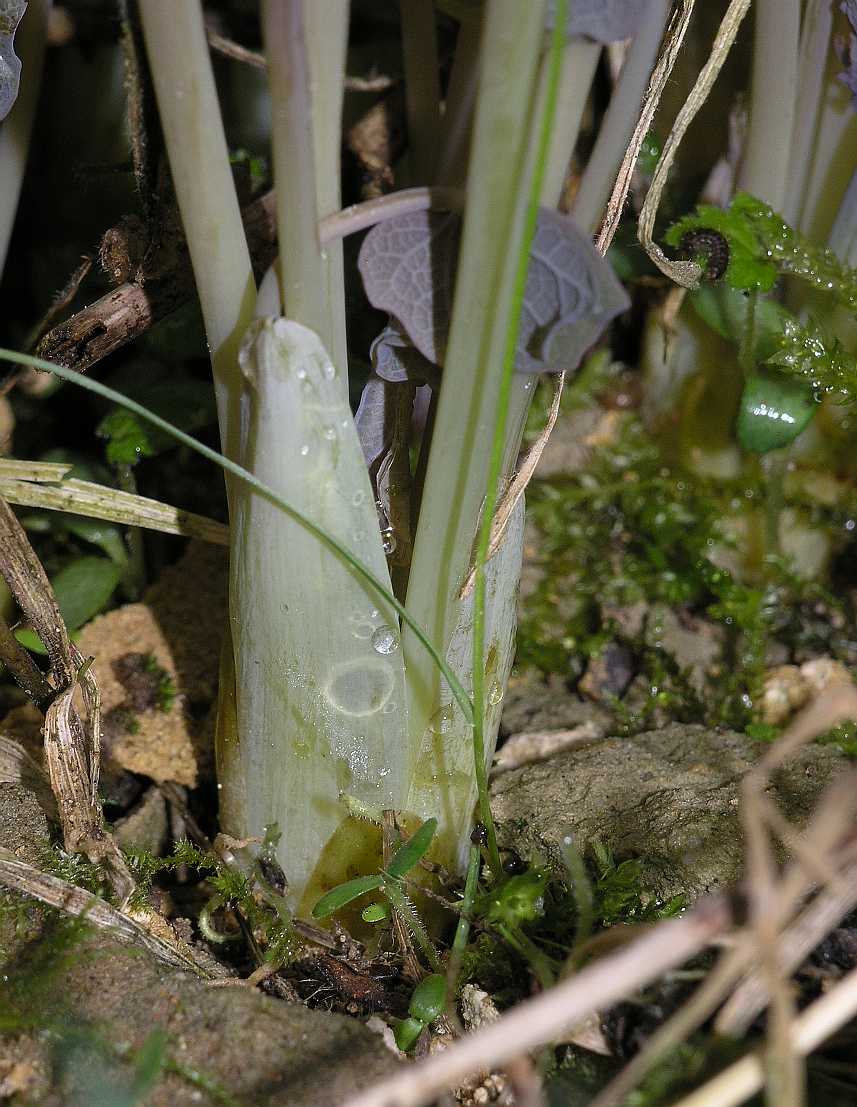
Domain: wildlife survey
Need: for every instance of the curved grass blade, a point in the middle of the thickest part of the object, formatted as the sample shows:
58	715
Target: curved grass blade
245	475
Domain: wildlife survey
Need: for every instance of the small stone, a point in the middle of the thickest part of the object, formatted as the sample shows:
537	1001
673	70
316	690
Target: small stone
608	674
785	691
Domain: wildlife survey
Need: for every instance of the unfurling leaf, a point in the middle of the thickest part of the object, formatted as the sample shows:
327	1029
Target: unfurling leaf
11	13
603	20
408	267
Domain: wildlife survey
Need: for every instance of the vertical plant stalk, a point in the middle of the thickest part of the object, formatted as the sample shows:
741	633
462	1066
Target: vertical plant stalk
619	122
814	46
579	62
765	167
422	87
302	283
326	28
320	706
199	162
453	494
16	129
543	123
457	120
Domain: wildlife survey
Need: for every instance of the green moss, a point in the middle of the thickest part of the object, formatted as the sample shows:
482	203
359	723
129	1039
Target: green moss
166	691
630	528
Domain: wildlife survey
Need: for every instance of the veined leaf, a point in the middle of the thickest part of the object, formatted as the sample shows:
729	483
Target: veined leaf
11	13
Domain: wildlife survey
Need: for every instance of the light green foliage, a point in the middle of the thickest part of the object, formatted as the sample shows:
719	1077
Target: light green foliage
520	899
619	894
427	1004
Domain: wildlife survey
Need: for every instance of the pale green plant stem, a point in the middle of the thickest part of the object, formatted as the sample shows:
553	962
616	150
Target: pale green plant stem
422	86
302	280
814	45
406	911
16	128
543	121
619	122
199	163
468	401
764	171
457	120
326	27
462	930
579	62
831	158
244	475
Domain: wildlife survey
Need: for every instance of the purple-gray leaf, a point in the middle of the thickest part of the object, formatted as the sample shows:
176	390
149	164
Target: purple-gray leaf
11	12
408	269
847	50
395	358
602	20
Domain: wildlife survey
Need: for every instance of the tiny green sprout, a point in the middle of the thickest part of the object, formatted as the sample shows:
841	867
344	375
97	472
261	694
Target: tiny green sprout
773	412
518	900
429	998
376	912
406	1033
427	1004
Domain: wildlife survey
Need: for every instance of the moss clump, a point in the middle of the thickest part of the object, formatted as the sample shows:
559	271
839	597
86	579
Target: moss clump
630	529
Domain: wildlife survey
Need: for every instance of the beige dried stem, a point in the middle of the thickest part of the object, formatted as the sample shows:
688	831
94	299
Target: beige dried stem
686	273
72	743
831	822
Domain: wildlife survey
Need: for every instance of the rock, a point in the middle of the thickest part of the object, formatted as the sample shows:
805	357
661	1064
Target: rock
146	827
608	673
104	1001
24	833
668	797
788	687
174	633
533	705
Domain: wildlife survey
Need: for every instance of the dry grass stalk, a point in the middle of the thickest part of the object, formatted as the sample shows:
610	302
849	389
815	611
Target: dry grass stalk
72	900
72	747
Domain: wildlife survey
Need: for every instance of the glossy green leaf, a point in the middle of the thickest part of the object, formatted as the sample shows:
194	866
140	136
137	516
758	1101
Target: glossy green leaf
406	1033
413	850
375	913
429	998
773	412
343	894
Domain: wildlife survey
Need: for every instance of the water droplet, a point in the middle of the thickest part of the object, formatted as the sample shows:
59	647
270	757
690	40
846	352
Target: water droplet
329	371
441	721
329	432
301	374
358	498
385	640
304	450
359	688
388	540
495	692
388	709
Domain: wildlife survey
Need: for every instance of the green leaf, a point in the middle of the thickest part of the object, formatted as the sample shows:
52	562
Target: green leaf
406	1033
375	912
82	588
411	852
188	404
342	894
429	998
773	412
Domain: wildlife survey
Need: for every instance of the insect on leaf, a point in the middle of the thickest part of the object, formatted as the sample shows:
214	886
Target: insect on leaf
343	894
413	850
